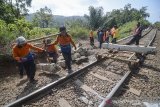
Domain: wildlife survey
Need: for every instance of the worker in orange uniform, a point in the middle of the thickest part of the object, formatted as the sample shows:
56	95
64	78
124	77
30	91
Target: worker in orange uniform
24	57
51	50
106	36
111	32
65	41
91	38
136	35
114	33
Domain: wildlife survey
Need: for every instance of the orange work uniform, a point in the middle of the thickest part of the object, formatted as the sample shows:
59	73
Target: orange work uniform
91	34
24	51
115	33
106	36
52	52
91	38
51	48
64	40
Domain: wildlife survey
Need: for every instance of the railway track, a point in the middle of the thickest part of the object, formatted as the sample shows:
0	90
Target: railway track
137	90
126	39
89	88
146	41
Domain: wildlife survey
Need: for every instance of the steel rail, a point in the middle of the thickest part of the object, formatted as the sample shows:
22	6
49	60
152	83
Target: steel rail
132	36
107	101
153	38
48	87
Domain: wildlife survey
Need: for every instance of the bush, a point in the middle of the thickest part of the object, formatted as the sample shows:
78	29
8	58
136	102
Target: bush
126	29
79	32
40	32
3	30
145	23
49	31
9	32
35	32
157	24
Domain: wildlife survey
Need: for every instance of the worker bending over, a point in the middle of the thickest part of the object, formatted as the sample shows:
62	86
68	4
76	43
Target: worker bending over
24	57
51	50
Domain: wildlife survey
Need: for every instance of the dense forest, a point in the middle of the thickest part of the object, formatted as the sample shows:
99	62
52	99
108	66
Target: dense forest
15	21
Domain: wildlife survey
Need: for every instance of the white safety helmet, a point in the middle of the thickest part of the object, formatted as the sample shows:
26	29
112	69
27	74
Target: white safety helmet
21	40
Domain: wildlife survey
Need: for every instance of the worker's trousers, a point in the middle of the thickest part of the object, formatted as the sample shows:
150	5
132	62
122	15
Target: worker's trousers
91	41
66	52
68	59
134	39
29	67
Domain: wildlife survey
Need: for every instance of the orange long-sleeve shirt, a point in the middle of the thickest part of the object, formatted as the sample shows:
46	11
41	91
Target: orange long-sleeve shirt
24	51
64	40
115	32
107	33
91	34
51	48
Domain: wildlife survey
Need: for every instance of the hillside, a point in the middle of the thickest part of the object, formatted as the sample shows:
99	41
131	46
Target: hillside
58	19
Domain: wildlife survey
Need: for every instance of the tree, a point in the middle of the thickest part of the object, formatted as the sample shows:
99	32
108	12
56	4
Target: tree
145	23
6	12
143	13
20	6
95	17
13	10
76	23
23	26
135	15
43	17
127	14
157	24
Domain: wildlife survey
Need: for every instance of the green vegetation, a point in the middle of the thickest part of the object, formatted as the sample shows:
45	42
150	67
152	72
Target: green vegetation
95	18
43	18
118	17
13	9
8	32
126	29
157	25
79	33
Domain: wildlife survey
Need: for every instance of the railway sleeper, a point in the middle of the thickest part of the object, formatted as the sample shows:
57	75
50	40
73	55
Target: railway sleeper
131	48
99	57
132	64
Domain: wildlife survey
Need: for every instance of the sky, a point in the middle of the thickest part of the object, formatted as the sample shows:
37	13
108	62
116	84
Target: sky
80	7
